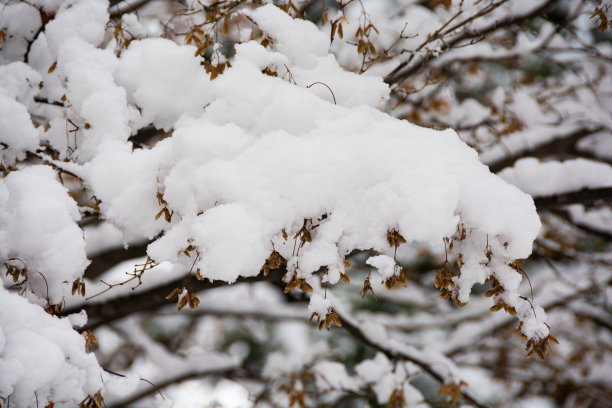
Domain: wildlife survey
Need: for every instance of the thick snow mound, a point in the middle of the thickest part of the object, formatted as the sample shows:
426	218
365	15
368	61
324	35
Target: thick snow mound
267	155
41	356
38	229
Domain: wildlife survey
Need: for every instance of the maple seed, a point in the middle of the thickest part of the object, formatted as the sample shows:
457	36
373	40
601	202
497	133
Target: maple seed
291	285
274	261
225	27
176	291
160	199
603	19
90	339
193	300
400	278
367	286
330	319
453	390
394	238
52	68
78	287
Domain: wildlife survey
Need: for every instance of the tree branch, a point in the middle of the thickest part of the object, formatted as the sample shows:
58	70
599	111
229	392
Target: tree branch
104	261
125	6
589	229
587	197
105	312
405	69
178	379
557	145
395	354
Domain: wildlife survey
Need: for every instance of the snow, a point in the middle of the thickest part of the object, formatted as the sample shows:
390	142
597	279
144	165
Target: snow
306	48
333	375
549	178
253	155
94	96
386	266
42	354
385	377
319	305
18	135
281	363
164	80
19	21
101	237
16	130
332	174
84	19
252	158
38	227
194	394
371	370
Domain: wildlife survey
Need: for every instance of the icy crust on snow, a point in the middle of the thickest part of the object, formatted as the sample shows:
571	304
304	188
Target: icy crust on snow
41	356
265	155
38	229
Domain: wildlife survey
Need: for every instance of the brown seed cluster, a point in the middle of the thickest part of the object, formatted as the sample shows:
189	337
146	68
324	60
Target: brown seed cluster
188	298
330	318
452	390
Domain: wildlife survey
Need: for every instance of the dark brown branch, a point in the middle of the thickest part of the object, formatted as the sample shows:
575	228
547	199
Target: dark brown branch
44	18
125	6
105	312
509	320
175	380
406	69
394	355
48	102
587	197
49	161
555	146
147	135
589	229
104	261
